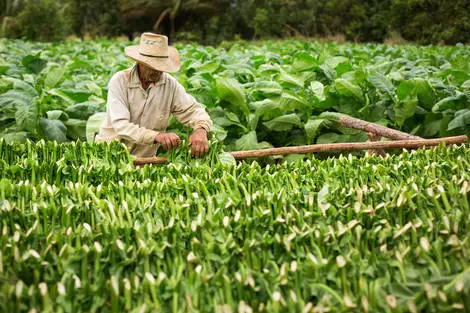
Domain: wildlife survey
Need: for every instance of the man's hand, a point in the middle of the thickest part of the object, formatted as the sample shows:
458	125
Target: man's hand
168	141
198	143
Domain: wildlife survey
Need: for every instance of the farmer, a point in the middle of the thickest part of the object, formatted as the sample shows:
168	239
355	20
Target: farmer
141	99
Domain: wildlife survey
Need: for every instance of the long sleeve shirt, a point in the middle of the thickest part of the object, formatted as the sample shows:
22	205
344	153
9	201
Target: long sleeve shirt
135	116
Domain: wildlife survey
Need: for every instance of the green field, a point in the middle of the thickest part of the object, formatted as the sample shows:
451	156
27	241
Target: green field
263	95
83	230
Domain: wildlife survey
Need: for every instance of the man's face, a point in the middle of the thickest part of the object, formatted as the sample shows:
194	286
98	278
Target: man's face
149	74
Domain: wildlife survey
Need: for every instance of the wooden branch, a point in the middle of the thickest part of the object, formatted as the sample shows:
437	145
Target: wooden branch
408	144
355	123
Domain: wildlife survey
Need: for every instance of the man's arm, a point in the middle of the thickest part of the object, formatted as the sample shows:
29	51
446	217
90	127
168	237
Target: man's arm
189	112
120	115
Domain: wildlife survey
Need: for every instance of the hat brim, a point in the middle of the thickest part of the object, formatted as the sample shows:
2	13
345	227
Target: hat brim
170	65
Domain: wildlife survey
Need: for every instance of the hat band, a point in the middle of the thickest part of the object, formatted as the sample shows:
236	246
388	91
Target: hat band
154	56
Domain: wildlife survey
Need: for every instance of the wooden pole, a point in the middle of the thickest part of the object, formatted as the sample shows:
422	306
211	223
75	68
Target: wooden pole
400	144
355	123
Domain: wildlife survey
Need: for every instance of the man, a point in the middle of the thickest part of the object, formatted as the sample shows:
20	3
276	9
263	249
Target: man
141	99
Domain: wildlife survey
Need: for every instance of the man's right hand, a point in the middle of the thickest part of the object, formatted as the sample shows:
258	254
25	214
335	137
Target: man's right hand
168	141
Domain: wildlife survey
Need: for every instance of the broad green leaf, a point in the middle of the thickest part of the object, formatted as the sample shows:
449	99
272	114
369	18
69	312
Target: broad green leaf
82	111
18	84
349	89
406	89
404	110
289	81
57	115
445	104
209	67
333	62
247	142
461	120
54	130
33	63
265	88
318	90
76	129
15	137
303	62
27	116
267	107
230	90
226	159
290	102
283	123
425	93
312	128
93	125
382	83
219	132
54	77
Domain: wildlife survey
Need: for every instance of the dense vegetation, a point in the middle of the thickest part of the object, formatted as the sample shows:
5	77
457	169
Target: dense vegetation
212	21
82	230
271	94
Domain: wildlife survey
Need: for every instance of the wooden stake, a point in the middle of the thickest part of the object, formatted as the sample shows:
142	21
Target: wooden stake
355	123
400	144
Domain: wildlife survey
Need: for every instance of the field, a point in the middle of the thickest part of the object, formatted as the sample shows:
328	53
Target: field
83	230
271	94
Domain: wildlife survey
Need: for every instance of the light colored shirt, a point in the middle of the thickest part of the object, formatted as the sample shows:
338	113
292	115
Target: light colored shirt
135	115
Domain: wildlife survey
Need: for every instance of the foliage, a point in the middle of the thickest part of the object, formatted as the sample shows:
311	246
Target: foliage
272	94
85	231
214	21
43	20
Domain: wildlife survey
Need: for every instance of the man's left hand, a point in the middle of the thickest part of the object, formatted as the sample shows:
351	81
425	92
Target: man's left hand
198	143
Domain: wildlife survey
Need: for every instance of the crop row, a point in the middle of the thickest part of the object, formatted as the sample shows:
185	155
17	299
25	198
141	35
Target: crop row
344	234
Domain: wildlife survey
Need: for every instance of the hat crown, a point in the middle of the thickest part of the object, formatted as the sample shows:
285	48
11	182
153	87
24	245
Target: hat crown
153	45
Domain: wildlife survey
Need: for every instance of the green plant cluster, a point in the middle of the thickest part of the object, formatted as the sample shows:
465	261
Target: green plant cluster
82	230
272	94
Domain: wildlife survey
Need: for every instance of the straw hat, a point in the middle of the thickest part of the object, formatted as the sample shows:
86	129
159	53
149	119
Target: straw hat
154	52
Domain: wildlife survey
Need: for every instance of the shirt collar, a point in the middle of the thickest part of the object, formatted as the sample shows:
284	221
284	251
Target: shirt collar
134	80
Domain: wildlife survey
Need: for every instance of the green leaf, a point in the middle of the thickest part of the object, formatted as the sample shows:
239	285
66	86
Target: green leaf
54	77
76	129
425	93
93	125
82	111
461	120
264	88
247	142
290	102
283	123
382	83
27	116
230	90
318	90
406	89
349	89
289	81
312	128
404	110
33	63
15	137
57	115
303	62
54	130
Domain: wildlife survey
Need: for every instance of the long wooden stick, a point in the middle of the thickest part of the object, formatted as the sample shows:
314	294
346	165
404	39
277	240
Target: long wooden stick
408	144
355	123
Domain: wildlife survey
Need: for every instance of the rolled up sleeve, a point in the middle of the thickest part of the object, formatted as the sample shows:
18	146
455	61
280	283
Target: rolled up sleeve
120	116
188	111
